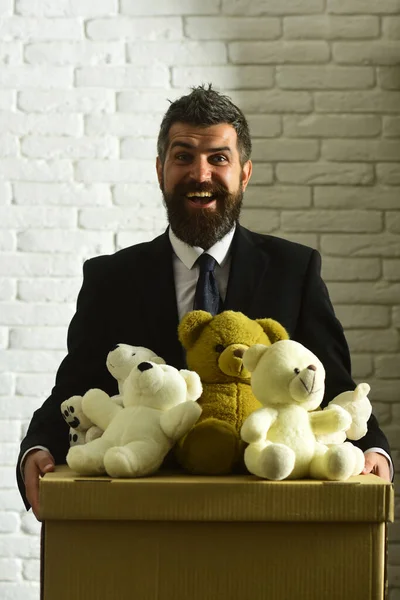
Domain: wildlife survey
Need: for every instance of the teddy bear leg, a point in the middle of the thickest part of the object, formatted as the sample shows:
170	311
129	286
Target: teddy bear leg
88	459
336	463
93	433
276	462
359	460
212	447
134	459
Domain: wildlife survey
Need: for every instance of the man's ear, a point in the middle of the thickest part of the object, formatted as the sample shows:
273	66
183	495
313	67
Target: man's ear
246	173
159	169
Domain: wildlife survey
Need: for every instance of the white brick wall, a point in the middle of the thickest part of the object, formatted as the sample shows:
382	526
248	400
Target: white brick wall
83	86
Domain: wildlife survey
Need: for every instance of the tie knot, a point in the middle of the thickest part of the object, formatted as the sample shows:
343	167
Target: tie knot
206	263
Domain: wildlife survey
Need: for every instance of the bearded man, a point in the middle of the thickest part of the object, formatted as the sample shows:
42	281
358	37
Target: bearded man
138	295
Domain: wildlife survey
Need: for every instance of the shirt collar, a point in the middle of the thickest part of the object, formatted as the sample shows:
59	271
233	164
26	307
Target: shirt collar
189	254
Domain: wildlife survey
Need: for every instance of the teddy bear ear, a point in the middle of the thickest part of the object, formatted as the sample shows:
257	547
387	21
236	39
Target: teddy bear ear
274	330
252	355
192	325
158	360
193	384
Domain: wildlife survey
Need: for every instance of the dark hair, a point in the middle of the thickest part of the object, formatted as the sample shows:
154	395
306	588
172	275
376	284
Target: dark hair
204	107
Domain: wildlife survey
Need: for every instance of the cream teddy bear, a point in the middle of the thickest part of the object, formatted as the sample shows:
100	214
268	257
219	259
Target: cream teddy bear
120	360
158	408
289	381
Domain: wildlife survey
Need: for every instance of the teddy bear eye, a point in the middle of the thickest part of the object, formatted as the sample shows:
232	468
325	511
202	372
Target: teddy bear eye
297	371
133	353
219	348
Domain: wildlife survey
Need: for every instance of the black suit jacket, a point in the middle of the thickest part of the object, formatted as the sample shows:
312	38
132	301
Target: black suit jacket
129	297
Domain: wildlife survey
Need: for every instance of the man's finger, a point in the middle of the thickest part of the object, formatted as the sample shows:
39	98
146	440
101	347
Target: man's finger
37	463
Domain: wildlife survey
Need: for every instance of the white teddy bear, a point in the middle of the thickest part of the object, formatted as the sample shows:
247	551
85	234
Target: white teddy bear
120	360
289	381
159	408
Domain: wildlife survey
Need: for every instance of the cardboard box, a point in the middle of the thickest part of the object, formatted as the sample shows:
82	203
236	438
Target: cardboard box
181	537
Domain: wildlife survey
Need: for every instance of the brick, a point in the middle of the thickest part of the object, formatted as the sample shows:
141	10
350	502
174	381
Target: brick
387	366
369	150
356	197
261	7
362	244
351	269
174	7
319	78
84	101
279	52
19	591
5	193
262	174
264	126
58	240
285	150
391	127
9	521
61	194
9	569
8	146
389	78
325	173
24	124
391	27
19	407
393	221
75	53
370	101
389	174
396	316
7	241
29	524
154	28
9	431
51	147
392	431
148	101
373	53
21	546
133	147
66	8
7	99
273	101
122	77
260	220
177	53
7	384
125	239
333	126
382	340
6	7
38	338
383	413
380	292
361	366
116	219
10	53
277	197
7	289
49	290
3	337
330	220
8	456
232	28
38	361
391	269
248	77
115	171
31	570
331	27
35	170
137	195
21	264
355	7
23	217
30	76
26	29
123	125
358	316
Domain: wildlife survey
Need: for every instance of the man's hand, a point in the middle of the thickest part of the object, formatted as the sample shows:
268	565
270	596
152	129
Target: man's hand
37	463
377	464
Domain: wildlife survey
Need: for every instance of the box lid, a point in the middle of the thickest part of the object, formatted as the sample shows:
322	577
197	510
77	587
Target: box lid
172	496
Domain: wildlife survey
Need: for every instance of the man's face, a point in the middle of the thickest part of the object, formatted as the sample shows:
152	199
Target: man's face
202	182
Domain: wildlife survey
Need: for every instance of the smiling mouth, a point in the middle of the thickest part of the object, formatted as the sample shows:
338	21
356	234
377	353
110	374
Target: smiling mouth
201	199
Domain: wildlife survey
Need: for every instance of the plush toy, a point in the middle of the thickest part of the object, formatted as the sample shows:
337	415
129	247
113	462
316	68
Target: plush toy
214	349
158	408
289	381
120	360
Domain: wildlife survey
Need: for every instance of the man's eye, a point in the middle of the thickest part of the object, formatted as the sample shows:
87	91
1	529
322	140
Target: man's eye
218	158
182	157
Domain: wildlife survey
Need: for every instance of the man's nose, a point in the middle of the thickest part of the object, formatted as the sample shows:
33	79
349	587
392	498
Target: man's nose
200	170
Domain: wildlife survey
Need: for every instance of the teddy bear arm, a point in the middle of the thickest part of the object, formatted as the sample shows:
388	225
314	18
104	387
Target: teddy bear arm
99	407
179	420
330	420
256	426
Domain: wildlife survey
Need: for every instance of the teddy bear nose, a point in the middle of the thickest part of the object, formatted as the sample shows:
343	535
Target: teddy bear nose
239	352
144	366
312	367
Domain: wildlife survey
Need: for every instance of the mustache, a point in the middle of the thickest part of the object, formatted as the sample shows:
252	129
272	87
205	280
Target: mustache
216	189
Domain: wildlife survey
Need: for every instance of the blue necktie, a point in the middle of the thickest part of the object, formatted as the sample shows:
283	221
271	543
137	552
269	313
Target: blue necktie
207	295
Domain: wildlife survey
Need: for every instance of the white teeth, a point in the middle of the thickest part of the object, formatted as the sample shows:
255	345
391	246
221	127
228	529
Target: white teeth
199	195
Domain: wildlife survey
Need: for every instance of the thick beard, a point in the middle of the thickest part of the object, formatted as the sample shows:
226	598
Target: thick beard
202	227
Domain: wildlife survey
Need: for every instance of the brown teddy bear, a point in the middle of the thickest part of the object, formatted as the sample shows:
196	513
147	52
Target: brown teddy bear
214	349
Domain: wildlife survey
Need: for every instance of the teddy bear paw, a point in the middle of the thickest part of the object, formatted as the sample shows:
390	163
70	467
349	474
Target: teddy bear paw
121	462
340	462
276	462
